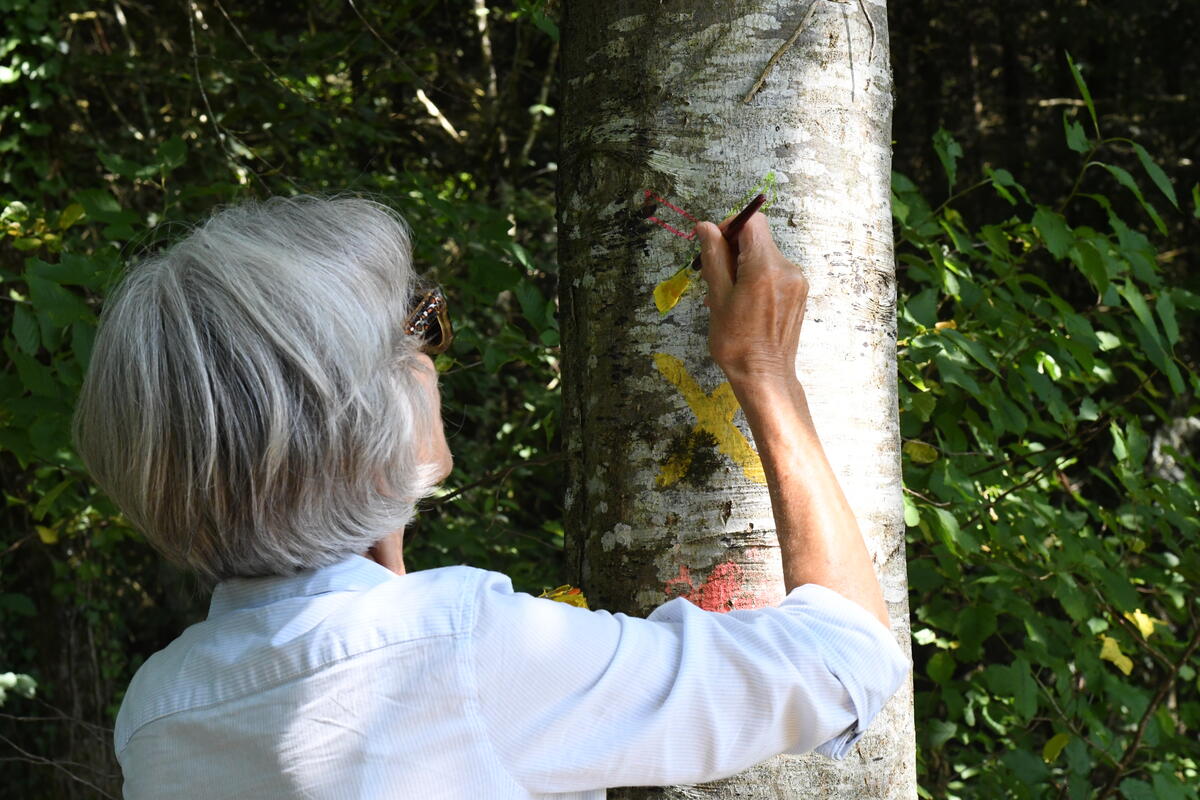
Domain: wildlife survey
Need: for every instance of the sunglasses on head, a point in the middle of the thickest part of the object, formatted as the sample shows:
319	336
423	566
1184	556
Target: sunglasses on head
430	320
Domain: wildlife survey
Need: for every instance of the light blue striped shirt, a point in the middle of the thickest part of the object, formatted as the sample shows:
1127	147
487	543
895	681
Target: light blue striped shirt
353	682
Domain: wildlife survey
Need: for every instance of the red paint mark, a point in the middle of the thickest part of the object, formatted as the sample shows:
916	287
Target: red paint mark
721	590
649	194
680	585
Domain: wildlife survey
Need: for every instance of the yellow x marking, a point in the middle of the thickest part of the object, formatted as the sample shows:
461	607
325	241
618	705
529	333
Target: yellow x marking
714	414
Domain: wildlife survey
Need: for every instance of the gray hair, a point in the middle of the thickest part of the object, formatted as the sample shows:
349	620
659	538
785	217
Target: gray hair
251	404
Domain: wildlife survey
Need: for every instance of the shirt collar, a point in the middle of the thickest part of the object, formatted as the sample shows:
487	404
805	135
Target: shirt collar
352	574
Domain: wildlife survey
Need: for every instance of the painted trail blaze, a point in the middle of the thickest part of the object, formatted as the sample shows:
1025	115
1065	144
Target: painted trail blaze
714	415
718	592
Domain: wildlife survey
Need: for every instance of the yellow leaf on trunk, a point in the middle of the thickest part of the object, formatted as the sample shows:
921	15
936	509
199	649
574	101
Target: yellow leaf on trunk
571	595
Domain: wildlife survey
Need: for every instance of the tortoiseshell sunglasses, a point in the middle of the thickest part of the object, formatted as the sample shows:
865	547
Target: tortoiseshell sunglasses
431	321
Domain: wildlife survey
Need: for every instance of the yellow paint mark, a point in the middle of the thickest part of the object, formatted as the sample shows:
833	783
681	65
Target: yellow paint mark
672	471
714	414
668	292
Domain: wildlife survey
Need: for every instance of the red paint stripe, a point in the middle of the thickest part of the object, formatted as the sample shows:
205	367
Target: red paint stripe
675	208
672	228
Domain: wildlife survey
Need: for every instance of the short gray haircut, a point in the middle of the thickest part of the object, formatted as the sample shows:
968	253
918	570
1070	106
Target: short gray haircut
252	403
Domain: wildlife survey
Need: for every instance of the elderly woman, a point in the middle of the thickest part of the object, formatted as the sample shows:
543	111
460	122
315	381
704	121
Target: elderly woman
260	403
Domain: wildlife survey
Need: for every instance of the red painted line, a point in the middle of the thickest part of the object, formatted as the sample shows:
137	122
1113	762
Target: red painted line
672	228
675	208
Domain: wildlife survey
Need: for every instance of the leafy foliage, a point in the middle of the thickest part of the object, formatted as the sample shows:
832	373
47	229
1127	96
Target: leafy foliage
1046	381
1054	522
119	127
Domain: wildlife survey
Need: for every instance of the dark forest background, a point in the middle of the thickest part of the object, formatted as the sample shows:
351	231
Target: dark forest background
1046	221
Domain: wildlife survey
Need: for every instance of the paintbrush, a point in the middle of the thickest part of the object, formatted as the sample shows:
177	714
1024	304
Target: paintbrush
667	293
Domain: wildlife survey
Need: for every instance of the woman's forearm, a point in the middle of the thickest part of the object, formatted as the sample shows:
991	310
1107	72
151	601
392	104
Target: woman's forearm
819	537
756	298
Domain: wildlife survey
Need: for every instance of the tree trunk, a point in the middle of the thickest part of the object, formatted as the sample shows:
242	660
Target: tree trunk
666	496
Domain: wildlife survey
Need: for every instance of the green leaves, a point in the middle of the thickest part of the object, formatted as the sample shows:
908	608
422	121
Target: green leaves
1156	174
1054	746
169	155
1084	93
101	207
1125	179
1076	139
172	153
1053	230
948	152
1039	375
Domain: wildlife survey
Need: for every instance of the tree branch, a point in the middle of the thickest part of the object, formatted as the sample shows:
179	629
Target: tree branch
498	475
783	48
1163	690
33	758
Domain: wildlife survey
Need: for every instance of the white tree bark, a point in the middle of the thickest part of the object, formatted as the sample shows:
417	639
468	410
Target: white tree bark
664	497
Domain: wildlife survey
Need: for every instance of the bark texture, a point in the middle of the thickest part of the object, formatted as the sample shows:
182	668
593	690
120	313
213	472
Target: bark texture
665	496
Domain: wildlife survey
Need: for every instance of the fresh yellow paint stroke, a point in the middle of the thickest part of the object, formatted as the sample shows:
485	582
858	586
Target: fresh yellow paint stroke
668	292
714	414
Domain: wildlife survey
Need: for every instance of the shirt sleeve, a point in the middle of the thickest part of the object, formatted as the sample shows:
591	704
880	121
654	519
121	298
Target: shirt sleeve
573	699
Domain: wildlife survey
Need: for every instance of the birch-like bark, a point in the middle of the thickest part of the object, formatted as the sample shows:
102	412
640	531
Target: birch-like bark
665	496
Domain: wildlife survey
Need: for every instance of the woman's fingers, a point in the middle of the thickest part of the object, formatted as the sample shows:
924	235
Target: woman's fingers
757	298
718	265
755	247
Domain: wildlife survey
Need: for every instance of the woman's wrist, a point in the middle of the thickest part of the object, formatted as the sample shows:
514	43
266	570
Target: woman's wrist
765	391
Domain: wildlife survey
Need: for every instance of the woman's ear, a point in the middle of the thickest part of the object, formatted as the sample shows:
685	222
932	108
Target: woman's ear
433	448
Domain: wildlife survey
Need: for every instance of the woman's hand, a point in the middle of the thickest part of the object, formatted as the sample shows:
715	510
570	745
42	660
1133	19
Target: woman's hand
757	300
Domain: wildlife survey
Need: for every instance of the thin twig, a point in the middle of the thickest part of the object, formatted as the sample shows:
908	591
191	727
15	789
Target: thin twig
498	475
1063	716
437	114
535	124
1031	478
102	731
413	78
33	758
412	74
16	544
928	500
762	77
238	32
222	134
870	24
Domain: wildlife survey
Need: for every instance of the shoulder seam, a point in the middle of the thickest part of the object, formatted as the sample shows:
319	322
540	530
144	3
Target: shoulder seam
470	610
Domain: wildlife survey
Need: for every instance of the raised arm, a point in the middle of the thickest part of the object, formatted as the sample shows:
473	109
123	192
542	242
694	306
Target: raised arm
757	301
